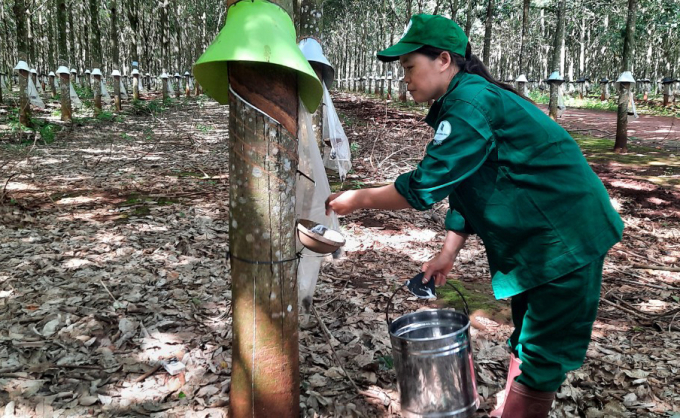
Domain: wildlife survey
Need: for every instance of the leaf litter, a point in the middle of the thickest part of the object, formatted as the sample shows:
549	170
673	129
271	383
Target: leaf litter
113	268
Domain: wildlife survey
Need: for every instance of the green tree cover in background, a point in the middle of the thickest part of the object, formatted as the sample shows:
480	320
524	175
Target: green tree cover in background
171	34
593	43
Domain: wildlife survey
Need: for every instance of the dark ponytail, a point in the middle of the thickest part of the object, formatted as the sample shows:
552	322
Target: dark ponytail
470	63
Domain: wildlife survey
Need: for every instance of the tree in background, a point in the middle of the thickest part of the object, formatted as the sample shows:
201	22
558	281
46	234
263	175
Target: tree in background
24	104
488	32
621	144
555	63
64	80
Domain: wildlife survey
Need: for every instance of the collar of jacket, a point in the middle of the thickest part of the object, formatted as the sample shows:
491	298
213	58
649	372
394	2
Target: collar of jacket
433	114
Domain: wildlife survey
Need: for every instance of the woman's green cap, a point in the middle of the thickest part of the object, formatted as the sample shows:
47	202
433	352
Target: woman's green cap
432	30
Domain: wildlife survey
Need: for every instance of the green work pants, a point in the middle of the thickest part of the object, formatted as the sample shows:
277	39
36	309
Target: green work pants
553	325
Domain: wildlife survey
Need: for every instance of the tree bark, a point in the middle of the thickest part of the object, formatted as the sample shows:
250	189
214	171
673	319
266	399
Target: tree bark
621	143
132	11
116	93
487	32
555	62
96	34
20	19
97	95
135	87
114	35
469	20
64	79
523	40
263	164
71	37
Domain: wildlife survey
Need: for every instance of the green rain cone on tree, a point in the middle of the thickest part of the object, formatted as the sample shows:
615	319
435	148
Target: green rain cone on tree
271	39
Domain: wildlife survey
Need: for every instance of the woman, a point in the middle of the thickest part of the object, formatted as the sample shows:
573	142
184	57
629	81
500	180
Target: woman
518	180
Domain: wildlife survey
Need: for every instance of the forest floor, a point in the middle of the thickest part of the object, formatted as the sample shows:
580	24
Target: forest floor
112	252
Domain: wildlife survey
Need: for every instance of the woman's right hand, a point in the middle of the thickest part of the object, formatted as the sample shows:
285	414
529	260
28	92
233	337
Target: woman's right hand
342	203
438	268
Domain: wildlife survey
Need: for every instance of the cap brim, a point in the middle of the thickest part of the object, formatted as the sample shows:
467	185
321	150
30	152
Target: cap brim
395	51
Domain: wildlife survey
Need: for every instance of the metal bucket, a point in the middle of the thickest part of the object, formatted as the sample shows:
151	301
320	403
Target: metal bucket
434	365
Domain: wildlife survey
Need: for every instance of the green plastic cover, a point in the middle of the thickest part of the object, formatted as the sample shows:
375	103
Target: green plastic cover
256	31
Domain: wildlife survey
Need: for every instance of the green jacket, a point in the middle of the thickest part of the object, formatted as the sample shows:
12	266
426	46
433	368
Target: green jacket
515	178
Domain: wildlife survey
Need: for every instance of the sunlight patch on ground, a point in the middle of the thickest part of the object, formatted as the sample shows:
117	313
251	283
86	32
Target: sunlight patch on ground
76	200
75	263
654	306
18	186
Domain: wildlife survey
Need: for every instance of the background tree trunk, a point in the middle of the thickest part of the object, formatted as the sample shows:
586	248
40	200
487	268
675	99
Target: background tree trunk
469	20
555	62
135	87
114	35
116	92
71	37
265	357
96	35
97	95
64	79
165	82
524	38
621	143
24	104
488	32
132	10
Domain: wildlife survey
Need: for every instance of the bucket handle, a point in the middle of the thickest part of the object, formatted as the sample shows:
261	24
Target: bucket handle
389	301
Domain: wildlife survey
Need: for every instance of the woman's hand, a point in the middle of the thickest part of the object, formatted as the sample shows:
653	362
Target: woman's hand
343	203
438	268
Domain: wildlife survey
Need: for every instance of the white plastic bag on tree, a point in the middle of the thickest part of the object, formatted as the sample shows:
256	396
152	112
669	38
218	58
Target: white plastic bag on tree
561	107
123	91
339	157
105	93
312	190
632	112
33	95
75	100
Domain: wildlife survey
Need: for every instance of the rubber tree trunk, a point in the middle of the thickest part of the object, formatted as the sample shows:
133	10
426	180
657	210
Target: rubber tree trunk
19	9
177	92
53	86
116	94
187	90
135	87
95	38
97	95
24	103
470	17
166	95
524	39
621	143
555	61
263	163
65	96
488	32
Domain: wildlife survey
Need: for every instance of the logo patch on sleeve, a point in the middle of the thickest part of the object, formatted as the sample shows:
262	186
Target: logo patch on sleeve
443	132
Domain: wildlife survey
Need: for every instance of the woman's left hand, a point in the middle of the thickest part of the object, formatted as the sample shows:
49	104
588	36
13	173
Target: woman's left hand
438	268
